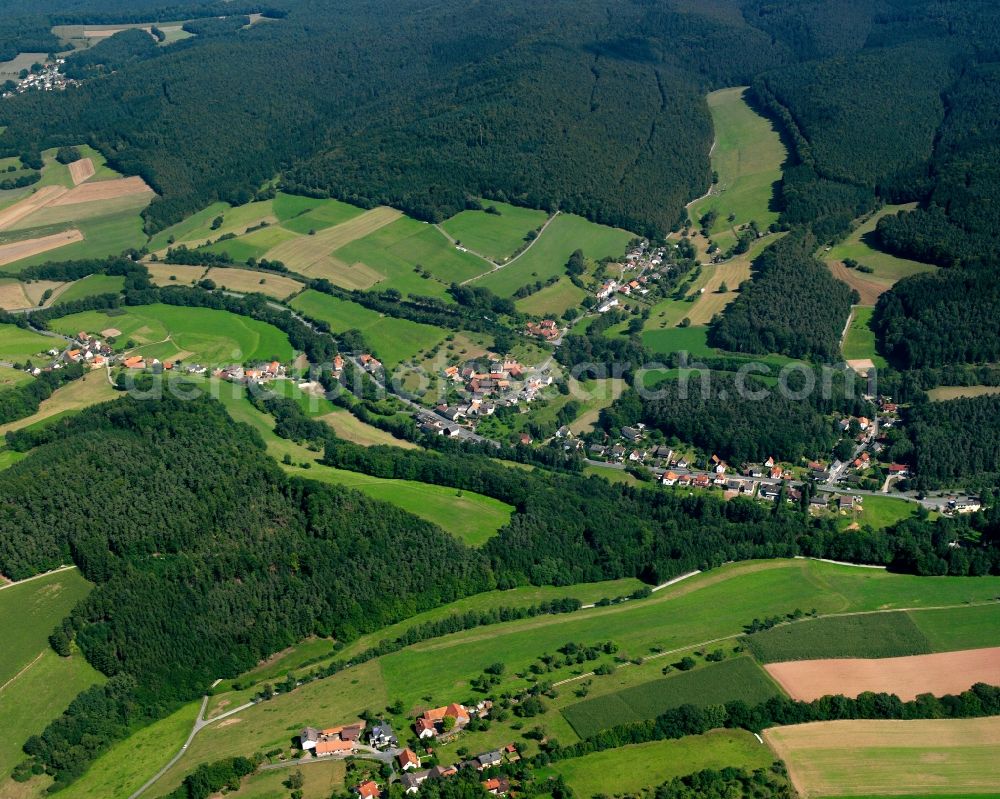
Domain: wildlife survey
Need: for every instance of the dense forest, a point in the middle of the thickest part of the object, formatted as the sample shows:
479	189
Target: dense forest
792	305
110	54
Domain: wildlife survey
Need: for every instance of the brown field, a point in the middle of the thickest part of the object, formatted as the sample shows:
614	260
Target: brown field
345	275
942	393
311	254
349	427
160	274
712	302
244	280
13	297
103	190
36	288
81	170
25	249
16	212
868	290
907	677
884	758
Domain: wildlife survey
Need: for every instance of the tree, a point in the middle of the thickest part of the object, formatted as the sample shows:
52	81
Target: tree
67	155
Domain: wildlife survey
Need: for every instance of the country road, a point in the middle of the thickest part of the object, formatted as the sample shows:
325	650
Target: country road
516	257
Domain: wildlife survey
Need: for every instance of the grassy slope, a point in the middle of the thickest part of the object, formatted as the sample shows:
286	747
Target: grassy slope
548	255
17	344
748	155
205	334
496	237
860	339
967	628
92	388
91	285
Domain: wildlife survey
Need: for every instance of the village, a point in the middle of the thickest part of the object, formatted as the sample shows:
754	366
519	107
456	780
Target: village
40	77
431	729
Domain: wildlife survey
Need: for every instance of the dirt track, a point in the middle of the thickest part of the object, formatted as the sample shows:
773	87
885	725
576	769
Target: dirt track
25	249
19	210
81	170
103	190
939	674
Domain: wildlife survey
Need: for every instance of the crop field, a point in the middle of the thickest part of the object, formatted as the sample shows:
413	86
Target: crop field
35	683
472	518
27	248
692	340
302	214
398	250
492	235
13	295
321	780
90	286
393	340
548	255
552	301
937	757
943	393
175	274
907	677
713	684
629	769
179	333
873	635
311	254
246	281
253	245
960	628
748	156
90	389
9	69
18	344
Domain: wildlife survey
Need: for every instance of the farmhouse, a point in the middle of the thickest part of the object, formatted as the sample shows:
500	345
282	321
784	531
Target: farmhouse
432	722
412	781
334	740
368	790
407	760
498	786
382	736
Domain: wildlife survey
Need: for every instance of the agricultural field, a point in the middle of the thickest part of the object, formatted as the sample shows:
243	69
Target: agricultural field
712	684
15	295
255	244
10	377
495	236
302	214
179	333
175	274
90	286
943	393
35	683
92	388
321	781
392	340
472	518
962	628
936	757
552	301
410	256
18	344
747	156
549	253
907	677
246	281
594	396
859	342
872	635
630	769
9	70
692	340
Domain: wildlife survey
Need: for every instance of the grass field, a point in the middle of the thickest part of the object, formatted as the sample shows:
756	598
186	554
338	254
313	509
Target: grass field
302	214
190	334
35	683
714	684
551	250
552	301
692	340
878	758
90	389
322	779
350	427
18	344
881	512
391	339
629	769
860	339
196	230
470	517
748	155
874	635
963	628
12	377
496	237
398	250
90	286
253	245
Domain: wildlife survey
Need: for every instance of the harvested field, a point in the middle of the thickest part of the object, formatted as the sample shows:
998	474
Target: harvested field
868	290
307	253
18	211
160	274
942	393
81	170
103	190
37	288
13	296
247	281
25	249
349	276
907	677
933	757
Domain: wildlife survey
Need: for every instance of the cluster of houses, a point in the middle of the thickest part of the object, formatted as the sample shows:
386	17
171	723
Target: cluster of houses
344	740
47	79
90	350
413	776
650	264
546	330
256	374
502	383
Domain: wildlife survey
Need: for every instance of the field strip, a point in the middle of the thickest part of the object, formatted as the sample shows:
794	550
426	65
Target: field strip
463	248
302	253
103	190
13	297
33	662
81	170
907	677
19	210
25	249
516	257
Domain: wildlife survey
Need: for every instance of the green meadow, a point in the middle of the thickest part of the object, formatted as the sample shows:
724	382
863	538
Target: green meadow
18	344
391	339
548	255
190	334
495	236
90	286
747	156
302	214
859	342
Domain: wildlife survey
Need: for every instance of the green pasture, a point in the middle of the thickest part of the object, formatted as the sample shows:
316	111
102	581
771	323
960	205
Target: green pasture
302	214
552	301
18	344
191	334
860	339
90	286
548	255
496	237
861	246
